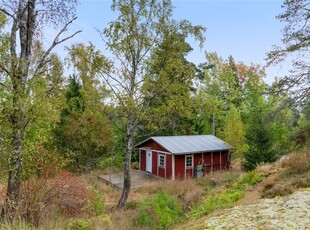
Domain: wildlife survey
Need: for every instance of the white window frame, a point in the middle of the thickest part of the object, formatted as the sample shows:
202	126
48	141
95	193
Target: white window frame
192	161
164	156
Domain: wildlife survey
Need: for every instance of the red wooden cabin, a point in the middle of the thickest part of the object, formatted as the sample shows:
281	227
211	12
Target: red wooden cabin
181	157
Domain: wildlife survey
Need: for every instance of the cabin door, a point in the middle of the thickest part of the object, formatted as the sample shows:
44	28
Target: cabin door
189	166
149	160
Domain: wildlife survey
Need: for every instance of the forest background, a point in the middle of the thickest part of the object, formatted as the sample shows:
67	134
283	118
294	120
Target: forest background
88	110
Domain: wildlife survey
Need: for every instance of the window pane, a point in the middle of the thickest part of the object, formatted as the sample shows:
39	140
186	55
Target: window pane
189	161
162	160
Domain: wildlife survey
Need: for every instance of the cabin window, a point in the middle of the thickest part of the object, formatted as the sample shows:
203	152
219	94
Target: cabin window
161	161
189	161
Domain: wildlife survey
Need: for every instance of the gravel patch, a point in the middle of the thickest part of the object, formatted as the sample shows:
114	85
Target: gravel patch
290	212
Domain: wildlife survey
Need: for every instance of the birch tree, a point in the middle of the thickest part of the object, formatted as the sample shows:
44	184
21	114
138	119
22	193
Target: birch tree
27	20
130	39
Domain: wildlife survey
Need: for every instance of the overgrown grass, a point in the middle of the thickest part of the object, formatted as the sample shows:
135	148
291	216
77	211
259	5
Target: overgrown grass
16	224
158	207
97	222
159	212
226	198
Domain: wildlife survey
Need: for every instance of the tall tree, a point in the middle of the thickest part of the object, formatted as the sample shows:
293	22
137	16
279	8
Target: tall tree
296	43
168	86
131	38
221	86
87	64
234	132
27	19
83	134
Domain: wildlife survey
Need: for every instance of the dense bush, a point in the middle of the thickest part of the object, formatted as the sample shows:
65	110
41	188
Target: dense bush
35	201
159	212
250	179
80	224
64	195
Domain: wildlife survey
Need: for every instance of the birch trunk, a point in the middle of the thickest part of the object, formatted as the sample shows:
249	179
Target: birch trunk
127	165
24	23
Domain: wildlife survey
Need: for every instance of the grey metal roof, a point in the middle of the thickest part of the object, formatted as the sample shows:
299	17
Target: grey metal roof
190	144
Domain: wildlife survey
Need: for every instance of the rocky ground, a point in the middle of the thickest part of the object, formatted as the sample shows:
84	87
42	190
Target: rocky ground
290	212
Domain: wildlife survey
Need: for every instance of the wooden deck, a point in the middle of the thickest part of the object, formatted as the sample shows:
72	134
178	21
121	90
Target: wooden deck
139	179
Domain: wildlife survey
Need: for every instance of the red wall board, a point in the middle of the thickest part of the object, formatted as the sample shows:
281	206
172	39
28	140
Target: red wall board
142	160
168	166
179	166
154	162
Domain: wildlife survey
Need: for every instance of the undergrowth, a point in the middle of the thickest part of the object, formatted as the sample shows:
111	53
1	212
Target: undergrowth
296	175
226	198
159	212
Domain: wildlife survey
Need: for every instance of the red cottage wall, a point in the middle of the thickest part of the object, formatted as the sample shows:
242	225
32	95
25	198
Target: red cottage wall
154	162
224	160
207	161
168	166
161	172
143	160
197	159
179	166
219	163
152	144
216	161
156	170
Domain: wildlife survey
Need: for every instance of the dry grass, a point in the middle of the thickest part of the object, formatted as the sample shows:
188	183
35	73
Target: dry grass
2	191
295	174
110	195
44	199
286	184
123	220
186	192
298	162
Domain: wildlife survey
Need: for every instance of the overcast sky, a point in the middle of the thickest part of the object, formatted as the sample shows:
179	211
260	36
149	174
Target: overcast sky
246	29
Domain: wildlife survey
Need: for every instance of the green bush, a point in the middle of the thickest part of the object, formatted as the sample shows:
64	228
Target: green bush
250	179
161	211
79	224
144	219
96	203
221	200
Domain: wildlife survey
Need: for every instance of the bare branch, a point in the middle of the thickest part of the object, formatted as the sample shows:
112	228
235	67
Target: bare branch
7	13
55	43
119	58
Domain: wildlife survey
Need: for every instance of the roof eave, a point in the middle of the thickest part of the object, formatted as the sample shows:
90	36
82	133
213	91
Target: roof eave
204	151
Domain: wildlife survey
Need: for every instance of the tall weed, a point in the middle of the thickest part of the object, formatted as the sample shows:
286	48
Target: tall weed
249	179
159	212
